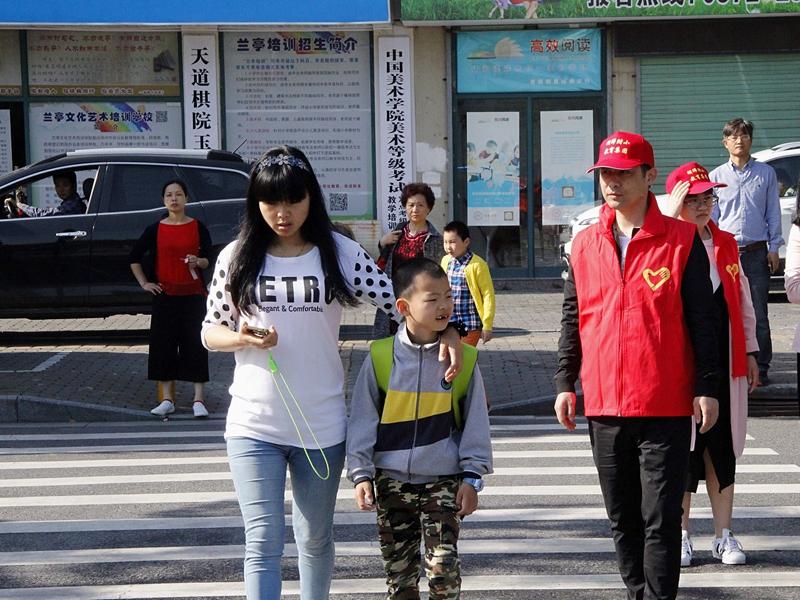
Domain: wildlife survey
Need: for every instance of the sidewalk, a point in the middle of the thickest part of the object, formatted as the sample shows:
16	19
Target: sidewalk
85	382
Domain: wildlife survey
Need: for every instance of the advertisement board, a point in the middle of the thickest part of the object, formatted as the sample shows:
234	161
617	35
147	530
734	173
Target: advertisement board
537	60
103	63
529	12
567	144
311	90
493	168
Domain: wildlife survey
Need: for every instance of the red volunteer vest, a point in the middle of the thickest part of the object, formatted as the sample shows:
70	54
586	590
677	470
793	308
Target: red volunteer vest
637	358
726	255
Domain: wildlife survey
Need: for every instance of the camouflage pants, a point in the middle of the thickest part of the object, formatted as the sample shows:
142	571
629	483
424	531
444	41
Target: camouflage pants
409	512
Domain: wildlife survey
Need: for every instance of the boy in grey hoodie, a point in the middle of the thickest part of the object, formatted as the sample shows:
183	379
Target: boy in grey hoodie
405	454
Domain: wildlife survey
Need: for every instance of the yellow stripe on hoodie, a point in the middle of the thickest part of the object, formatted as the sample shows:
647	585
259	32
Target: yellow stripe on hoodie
401	407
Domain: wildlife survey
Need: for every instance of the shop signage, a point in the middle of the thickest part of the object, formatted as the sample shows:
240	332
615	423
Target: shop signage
534	60
200	92
394	121
567	143
311	90
493	168
103	63
529	12
320	12
5	142
64	126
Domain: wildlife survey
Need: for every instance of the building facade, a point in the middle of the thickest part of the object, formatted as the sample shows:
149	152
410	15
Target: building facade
497	104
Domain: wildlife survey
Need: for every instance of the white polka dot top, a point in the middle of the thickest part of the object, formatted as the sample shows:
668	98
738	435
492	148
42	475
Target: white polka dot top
293	298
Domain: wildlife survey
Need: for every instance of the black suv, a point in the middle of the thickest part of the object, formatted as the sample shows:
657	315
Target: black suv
77	265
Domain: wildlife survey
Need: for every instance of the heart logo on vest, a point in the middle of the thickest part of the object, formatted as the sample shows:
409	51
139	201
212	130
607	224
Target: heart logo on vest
655	279
733	270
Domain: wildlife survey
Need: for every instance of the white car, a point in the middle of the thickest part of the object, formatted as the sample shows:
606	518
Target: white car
784	158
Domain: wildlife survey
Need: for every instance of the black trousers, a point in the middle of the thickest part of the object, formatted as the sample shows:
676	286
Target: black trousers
176	351
641	463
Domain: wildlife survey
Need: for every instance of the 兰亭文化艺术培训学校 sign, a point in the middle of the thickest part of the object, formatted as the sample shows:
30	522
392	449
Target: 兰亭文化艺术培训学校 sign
268	12
529	11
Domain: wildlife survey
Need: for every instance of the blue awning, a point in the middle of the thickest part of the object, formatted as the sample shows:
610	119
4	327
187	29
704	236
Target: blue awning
187	12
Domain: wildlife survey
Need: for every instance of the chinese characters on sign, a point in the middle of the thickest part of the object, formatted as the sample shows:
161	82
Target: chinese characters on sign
102	63
61	127
200	92
546	60
567	138
394	118
310	90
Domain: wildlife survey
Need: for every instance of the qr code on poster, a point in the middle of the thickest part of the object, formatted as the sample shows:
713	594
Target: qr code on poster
161	116
337	202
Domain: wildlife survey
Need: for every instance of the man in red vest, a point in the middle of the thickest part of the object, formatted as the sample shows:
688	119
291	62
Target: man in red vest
640	326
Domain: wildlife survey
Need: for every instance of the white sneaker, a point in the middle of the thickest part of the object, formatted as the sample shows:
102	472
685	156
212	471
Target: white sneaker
165	408
728	549
686	549
199	410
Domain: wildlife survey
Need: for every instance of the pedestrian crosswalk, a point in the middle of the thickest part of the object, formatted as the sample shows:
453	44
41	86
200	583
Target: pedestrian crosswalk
146	510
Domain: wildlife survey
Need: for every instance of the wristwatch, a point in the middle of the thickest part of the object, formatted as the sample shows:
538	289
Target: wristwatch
475	483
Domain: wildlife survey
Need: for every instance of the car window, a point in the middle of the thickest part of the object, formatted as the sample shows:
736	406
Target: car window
138	187
214	184
787	169
40	191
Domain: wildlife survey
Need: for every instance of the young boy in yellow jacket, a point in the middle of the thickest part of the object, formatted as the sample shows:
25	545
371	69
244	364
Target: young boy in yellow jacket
471	283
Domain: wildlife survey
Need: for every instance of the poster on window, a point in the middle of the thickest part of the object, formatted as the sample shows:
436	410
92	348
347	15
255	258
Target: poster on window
311	90
567	151
493	168
10	69
5	142
103	63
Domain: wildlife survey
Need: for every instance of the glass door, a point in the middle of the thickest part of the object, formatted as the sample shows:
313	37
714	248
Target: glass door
520	176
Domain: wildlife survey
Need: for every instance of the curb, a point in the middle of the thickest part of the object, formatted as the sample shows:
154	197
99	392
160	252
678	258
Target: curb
35	409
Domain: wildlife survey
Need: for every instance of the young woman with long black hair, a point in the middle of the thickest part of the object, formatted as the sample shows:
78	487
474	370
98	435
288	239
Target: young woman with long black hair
276	300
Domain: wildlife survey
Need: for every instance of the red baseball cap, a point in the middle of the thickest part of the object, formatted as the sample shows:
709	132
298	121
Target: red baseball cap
623	150
697	176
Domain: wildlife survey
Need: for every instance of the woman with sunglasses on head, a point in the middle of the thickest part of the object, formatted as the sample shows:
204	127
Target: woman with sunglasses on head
714	455
276	301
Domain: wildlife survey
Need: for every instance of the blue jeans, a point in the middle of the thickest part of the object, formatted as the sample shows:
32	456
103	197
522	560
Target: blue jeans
259	475
754	265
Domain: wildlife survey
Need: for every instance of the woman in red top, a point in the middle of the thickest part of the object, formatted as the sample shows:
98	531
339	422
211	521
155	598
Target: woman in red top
177	248
410	239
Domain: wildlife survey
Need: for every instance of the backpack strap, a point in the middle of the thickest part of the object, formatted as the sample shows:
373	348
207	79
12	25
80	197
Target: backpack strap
461	382
381	353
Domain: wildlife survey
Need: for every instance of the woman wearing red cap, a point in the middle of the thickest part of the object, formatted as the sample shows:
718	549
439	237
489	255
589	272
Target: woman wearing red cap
715	452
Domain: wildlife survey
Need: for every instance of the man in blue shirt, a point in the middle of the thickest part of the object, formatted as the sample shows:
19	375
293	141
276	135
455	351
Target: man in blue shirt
750	209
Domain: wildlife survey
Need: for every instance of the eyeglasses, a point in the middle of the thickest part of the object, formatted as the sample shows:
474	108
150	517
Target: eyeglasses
698	200
745	137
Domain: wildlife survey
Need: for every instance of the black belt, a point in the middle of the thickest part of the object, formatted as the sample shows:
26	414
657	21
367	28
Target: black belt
752	247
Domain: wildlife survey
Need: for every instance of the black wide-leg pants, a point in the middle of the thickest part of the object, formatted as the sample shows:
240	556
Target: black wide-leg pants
642	463
176	351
